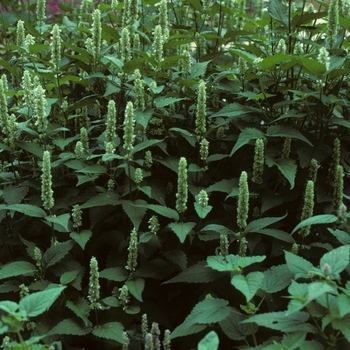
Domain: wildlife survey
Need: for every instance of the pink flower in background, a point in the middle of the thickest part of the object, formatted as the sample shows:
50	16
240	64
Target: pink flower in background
52	7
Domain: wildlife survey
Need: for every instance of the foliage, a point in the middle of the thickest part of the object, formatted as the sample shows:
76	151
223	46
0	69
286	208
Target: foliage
174	174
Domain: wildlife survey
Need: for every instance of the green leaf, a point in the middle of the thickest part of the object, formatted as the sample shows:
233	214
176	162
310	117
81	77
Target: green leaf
143	117
56	253
235	110
106	198
342	236
343	325
145	144
280	322
249	284
209	342
286	131
136	287
202	211
256	225
82	237
343	302
205	312
337	259
276	279
278	234
178	257
198	273
182	229
68	277
134	212
161	102
17	268
297	265
198	69
316	220
317	289
9	306
14	194
27	209
288	168
116	274
31	147
233	327
247	135
278	11
60	222
69	327
161	210
299	295
93	169
110	330
111	301
232	263
81	308
36	303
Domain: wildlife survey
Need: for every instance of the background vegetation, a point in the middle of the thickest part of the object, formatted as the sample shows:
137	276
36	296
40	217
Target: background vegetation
174	174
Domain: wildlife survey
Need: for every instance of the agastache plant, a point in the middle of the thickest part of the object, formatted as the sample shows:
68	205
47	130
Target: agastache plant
201	113
94	285
332	23
111	123
259	161
158	41
129	127
46	182
338	188
182	187
40	11
204	149
40	103
133	251
125	45
55	47
96	34
20	33
163	18
139	91
243	201
308	208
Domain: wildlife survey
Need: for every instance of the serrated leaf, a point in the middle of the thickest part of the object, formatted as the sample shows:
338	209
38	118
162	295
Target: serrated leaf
278	234
31	147
198	273
81	308
136	287
69	327
235	110
111	301
278	11
56	253
9	306
232	263
299	295
60	222
68	277
225	186
286	131
143	117
209	342
198	69
17	268
9	286
145	144
204	312
14	194
36	303
27	209
233	327
315	220
259	224
276	279
93	169
182	229
161	210
116	274
247	135
82	237
288	168
178	257
161	102
342	236
343	325
297	265
202	212
337	259
249	284
280	322
107	198
110	330
135	213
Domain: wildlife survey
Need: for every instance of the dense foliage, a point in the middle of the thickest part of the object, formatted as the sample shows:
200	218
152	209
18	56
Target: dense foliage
174	175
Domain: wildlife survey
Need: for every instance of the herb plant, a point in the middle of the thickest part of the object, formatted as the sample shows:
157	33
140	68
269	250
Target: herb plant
174	175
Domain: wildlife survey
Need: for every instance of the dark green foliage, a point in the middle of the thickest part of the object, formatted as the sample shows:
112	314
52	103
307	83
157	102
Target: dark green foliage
222	219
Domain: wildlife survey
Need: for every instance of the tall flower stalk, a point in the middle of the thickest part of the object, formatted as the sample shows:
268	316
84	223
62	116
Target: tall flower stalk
182	186
46	182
